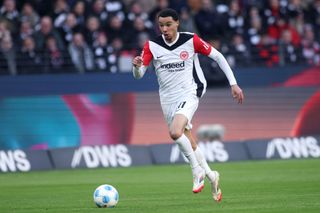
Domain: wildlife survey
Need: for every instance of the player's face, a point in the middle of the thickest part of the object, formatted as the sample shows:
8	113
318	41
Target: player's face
168	28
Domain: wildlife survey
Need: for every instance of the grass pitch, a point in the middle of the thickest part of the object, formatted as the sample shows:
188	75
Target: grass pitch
258	186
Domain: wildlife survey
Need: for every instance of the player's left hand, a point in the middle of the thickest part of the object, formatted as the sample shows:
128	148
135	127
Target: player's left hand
237	93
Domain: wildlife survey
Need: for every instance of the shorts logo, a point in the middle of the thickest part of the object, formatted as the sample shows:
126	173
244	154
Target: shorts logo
184	55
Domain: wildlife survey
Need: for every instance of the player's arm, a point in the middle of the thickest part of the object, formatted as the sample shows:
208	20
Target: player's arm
236	91
138	69
140	63
206	49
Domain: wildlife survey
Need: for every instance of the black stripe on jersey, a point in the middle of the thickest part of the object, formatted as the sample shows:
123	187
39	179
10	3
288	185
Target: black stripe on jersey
200	85
183	38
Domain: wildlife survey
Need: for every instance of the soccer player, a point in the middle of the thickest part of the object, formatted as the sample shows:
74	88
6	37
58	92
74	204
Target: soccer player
181	85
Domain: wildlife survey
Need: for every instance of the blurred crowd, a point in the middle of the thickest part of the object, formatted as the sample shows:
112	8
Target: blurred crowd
59	36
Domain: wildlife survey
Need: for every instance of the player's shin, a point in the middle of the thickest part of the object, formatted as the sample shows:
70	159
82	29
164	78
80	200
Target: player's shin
197	172
201	160
186	148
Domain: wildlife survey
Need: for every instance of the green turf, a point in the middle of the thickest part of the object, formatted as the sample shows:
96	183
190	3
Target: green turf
261	186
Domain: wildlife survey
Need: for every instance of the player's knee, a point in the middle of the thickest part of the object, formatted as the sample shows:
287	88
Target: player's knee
175	134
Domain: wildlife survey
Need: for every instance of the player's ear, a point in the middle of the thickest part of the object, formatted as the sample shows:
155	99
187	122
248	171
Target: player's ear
177	23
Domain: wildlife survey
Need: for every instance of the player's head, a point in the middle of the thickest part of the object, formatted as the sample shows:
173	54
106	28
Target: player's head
168	20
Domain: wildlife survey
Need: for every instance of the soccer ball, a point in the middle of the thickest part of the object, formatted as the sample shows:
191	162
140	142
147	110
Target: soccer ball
106	196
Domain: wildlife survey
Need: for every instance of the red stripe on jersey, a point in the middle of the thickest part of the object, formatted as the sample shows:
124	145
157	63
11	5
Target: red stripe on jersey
200	46
146	54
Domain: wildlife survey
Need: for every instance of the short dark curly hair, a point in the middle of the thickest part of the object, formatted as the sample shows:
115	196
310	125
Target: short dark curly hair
168	12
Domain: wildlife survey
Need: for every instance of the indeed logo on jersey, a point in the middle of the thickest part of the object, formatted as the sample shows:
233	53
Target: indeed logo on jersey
173	67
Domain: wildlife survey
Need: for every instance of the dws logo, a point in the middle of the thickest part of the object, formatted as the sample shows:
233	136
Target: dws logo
106	156
213	151
293	147
14	160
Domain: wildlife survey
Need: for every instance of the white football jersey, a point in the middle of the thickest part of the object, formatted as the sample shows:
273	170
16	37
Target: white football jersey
177	65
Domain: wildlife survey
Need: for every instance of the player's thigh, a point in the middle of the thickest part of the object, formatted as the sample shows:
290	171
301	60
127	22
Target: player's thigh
178	124
168	111
187	107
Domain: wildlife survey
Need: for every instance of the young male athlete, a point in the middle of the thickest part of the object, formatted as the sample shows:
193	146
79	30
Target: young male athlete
181	84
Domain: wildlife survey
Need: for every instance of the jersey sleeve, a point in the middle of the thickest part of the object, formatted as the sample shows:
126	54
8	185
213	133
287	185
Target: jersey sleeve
146	54
200	46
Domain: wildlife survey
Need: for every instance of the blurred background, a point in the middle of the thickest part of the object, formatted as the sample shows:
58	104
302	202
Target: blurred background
65	71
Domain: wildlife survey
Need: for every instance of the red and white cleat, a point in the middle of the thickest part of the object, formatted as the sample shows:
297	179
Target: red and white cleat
198	181
214	180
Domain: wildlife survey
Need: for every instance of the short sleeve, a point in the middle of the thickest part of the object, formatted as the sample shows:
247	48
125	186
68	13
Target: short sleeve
146	54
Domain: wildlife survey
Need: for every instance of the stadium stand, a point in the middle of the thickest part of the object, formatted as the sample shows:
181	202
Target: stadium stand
63	36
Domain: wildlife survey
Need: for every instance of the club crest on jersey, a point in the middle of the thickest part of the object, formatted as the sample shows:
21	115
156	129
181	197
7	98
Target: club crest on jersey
184	55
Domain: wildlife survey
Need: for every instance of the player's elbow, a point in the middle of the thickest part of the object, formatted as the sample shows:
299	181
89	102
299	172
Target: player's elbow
218	57
137	76
138	72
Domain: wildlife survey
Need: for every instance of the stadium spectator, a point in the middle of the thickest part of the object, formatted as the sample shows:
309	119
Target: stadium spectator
60	10
43	7
193	5
9	12
68	28
310	47
266	52
143	37
7	50
254	31
4	30
8	57
178	4
282	24
98	10
136	11
31	61
290	53
28	14
252	13
104	56
298	23
233	20
25	31
117	30
239	51
81	54
251	19
80	11
294	8
46	30
160	5
314	17
273	11
139	28
208	21
92	29
186	21
115	8
55	60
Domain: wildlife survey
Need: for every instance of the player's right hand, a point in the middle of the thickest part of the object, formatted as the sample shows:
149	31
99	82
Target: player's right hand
137	61
237	93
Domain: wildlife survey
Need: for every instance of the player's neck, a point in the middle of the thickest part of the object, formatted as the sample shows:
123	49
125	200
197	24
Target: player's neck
173	40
